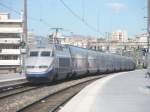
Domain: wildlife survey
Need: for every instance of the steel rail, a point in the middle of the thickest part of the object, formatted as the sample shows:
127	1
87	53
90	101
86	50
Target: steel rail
54	101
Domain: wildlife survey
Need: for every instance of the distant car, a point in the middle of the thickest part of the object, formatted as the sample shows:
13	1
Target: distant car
57	62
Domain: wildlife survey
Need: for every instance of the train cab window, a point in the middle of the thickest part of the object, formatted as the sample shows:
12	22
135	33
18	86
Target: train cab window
33	53
30	66
45	53
43	66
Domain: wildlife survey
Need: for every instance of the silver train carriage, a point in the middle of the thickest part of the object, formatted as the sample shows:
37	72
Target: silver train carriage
58	62
148	64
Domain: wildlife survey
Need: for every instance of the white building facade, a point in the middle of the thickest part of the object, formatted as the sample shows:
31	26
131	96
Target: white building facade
120	35
10	38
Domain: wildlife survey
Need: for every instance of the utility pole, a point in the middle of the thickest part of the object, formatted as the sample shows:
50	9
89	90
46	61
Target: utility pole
148	25
24	37
98	17
25	33
56	33
108	41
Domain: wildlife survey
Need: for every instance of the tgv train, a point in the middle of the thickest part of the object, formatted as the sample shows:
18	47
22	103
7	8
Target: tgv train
58	62
148	64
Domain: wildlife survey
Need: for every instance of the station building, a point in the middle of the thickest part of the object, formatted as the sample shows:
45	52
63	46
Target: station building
10	38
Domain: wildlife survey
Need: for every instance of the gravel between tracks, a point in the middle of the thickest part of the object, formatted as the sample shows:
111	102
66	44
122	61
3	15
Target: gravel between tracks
12	104
11	83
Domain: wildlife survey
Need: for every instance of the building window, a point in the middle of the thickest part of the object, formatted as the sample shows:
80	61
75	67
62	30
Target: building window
9	46
9	57
10	35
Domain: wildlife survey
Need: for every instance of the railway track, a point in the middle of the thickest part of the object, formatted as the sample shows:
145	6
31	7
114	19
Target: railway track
6	88
16	90
54	101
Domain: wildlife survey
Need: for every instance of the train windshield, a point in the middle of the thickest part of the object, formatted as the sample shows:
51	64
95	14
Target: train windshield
45	53
34	54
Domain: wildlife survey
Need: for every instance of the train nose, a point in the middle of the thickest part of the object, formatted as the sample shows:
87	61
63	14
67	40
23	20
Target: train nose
38	66
36	69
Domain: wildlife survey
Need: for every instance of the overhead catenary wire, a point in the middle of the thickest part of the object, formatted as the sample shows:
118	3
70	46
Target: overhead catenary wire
11	9
79	18
82	19
20	14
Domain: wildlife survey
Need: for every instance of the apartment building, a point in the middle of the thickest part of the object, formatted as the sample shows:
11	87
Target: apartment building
10	37
120	35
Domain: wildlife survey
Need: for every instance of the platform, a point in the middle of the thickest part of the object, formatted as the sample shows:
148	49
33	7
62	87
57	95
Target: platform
120	92
11	77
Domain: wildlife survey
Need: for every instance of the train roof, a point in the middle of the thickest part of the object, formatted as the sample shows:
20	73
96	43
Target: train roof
50	46
110	54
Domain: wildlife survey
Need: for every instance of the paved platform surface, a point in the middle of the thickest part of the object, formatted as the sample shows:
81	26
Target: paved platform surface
11	77
121	92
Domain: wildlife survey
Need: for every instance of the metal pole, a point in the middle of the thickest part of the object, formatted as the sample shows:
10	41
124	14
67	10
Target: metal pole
148	25
25	22
55	38
24	39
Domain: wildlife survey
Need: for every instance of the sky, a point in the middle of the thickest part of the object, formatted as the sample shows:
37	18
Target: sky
89	18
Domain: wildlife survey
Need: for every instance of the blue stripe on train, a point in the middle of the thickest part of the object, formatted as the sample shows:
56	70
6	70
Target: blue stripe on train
47	74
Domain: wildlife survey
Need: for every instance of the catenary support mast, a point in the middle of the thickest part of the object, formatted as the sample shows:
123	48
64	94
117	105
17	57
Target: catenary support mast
25	22
148	25
25	35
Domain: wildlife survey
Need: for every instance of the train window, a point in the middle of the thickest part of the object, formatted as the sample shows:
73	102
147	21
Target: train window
33	53
30	66
45	53
43	66
64	62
